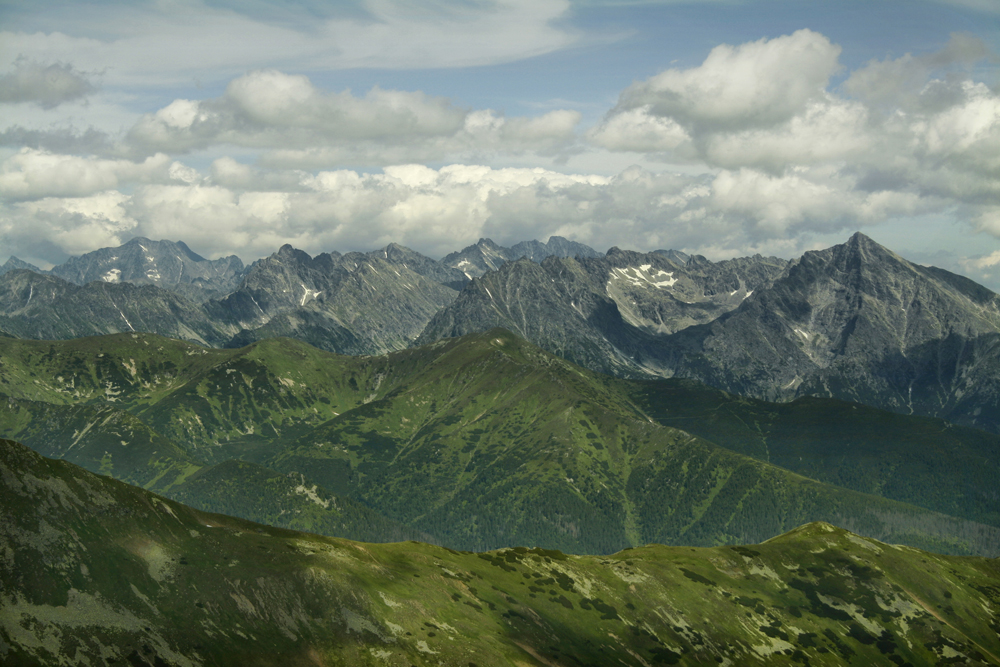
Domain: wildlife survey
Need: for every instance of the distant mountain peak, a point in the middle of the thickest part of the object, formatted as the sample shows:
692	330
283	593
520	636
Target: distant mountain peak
867	247
14	263
291	253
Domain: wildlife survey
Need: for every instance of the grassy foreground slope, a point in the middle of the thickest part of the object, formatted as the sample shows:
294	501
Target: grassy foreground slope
94	571
482	442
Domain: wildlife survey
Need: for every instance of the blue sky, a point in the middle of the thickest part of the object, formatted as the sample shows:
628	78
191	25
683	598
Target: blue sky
722	128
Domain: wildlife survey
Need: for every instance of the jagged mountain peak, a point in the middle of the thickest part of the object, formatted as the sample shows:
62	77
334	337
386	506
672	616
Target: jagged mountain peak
14	263
676	256
287	251
858	249
486	255
168	264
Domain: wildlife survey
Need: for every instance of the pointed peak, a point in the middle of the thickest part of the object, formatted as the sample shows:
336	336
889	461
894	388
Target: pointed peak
183	247
18	263
487	243
859	239
864	245
288	252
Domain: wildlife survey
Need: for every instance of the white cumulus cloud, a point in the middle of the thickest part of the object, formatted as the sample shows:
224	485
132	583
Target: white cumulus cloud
757	84
297	124
902	136
36	174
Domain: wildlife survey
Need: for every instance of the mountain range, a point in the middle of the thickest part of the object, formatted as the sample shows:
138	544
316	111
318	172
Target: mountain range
95	571
647	409
854	322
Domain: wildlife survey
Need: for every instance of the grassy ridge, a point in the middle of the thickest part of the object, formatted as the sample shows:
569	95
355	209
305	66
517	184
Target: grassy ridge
95	570
483	442
99	437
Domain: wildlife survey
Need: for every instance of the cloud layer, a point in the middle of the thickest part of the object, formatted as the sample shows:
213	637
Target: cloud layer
298	125
899	137
761	150
174	41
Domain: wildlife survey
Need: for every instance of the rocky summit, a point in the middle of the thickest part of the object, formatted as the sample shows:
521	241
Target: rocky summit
855	322
485	255
858	322
167	264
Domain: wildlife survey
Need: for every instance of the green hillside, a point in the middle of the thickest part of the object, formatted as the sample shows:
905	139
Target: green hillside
480	442
98	572
920	460
108	440
251	491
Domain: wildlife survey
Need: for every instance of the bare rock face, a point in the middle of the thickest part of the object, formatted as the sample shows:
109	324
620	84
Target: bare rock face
167	264
358	303
485	255
34	305
609	313
858	322
14	263
855	322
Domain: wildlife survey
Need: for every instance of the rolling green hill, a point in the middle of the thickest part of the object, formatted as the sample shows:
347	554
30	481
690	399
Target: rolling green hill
98	572
481	442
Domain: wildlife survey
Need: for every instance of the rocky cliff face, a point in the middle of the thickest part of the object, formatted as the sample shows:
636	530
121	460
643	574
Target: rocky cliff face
33	305
858	322
352	304
855	322
14	263
166	264
358	303
476	260
608	313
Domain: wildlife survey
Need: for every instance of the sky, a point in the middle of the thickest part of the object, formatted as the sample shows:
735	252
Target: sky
718	127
